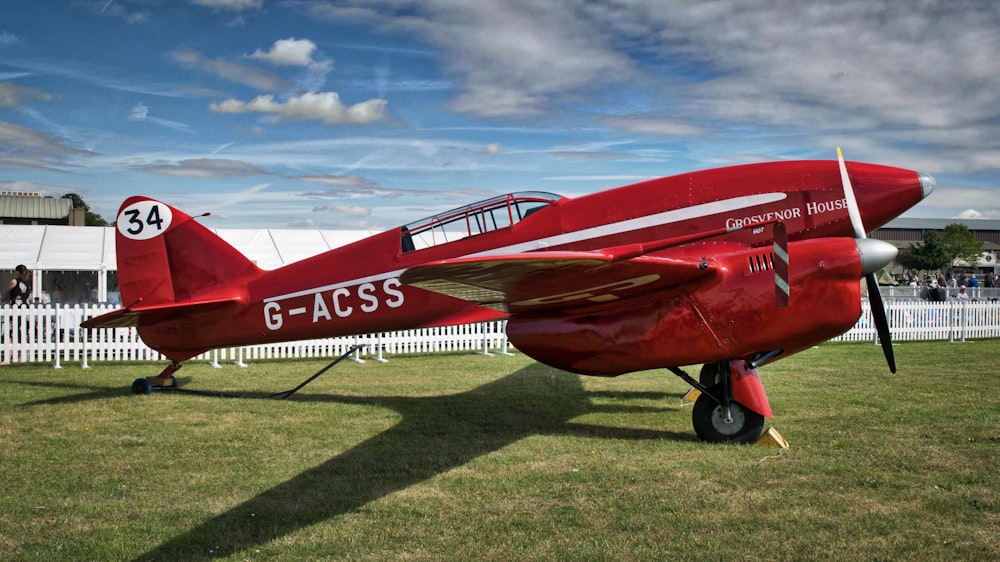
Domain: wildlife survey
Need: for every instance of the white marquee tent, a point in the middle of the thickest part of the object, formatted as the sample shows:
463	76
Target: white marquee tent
78	263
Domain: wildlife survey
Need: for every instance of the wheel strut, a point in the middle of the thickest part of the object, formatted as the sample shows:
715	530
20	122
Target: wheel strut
146	385
717	418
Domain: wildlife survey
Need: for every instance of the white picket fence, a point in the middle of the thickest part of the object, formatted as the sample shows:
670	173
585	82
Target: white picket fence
52	334
909	320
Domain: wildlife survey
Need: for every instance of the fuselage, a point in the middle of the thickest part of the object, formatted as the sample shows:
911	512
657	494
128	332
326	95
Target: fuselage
356	289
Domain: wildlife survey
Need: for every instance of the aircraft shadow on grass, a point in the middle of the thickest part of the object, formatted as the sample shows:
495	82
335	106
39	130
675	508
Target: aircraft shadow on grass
96	392
436	434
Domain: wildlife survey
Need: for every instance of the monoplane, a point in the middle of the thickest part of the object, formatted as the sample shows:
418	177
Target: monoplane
728	268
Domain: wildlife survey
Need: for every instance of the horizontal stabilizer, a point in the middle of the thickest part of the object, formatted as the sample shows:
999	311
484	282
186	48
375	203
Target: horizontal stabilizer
131	315
121	318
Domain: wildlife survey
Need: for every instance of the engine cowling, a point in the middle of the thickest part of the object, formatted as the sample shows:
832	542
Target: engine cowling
729	314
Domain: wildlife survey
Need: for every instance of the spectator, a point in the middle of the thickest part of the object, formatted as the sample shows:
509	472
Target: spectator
17	289
936	293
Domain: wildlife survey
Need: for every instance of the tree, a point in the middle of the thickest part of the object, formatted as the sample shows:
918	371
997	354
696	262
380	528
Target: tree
961	244
89	218
931	255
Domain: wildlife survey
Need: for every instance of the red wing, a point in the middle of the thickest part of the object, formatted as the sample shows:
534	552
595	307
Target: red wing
551	280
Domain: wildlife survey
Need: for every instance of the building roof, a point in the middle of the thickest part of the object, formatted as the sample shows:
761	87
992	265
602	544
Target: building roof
34	207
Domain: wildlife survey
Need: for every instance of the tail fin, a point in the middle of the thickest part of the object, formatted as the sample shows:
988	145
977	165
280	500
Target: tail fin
166	257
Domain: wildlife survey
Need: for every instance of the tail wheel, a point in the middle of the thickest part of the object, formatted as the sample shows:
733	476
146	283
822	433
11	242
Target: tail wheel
141	386
711	423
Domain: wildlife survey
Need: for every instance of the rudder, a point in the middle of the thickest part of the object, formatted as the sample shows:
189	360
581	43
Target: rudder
165	256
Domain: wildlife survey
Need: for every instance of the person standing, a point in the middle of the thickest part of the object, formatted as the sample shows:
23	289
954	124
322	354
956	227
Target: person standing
973	286
17	289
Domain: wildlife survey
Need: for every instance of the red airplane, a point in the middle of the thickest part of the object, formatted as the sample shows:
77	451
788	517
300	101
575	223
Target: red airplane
728	268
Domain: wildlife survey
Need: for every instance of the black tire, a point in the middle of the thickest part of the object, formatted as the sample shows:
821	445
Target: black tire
710	374
141	386
709	424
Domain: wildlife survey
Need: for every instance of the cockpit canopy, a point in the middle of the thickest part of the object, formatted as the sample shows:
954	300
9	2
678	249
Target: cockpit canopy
477	218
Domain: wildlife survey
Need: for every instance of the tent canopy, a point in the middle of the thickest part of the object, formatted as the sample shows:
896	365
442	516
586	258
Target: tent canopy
75	248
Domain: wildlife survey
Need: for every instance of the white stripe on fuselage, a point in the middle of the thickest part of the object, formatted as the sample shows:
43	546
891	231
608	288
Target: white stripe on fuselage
630	225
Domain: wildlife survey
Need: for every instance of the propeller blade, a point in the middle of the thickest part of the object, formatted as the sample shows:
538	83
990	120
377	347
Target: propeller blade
852	202
881	321
874	295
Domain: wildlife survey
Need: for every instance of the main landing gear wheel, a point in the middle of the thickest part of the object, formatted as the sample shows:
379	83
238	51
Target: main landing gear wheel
710	423
710	374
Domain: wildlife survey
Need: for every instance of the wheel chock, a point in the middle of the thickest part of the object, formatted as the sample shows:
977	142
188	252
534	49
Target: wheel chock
691	396
162	382
771	438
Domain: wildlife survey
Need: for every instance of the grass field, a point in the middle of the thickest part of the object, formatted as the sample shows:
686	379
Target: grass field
468	457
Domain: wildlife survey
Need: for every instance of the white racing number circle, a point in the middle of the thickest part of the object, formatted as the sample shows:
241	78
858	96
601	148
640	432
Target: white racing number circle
143	220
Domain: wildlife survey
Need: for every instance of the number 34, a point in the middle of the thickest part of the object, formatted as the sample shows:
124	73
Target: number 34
143	220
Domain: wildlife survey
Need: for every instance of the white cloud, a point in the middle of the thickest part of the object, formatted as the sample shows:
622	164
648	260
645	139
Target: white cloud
297	53
12	95
289	52
234	72
970	214
350	210
139	112
900	74
319	106
509	58
960	202
655	126
833	65
206	168
26	148
301	223
351	182
350	187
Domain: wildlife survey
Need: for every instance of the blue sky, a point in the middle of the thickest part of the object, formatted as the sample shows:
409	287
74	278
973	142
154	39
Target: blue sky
370	114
